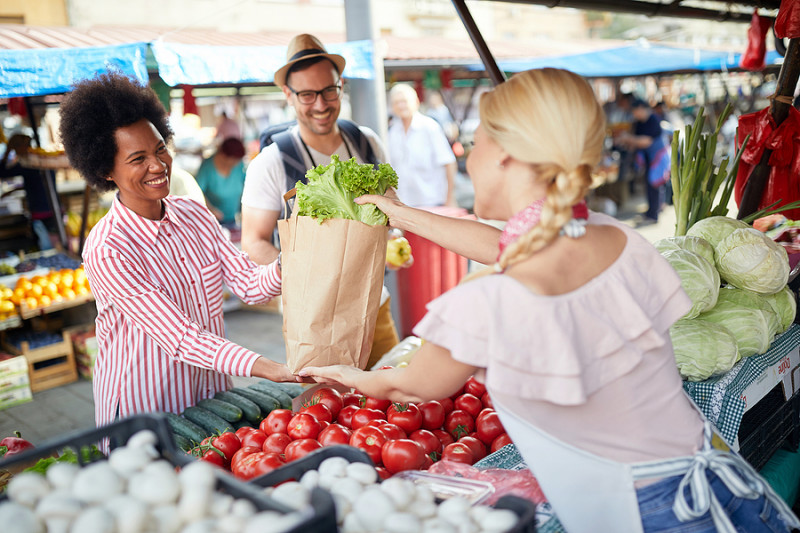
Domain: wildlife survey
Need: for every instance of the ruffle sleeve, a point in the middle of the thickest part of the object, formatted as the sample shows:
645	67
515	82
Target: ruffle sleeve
562	348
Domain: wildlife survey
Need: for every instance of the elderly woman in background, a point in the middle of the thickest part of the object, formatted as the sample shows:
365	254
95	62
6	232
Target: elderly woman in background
155	262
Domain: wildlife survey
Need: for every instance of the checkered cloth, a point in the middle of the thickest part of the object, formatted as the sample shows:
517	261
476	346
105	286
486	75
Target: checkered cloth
720	398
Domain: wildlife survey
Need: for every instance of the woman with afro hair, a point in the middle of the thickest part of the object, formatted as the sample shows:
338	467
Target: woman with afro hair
155	263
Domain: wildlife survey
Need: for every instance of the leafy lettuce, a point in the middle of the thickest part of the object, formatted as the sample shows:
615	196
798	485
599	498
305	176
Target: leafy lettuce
702	349
332	188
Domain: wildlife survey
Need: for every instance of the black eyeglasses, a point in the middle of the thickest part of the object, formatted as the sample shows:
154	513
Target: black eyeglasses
329	94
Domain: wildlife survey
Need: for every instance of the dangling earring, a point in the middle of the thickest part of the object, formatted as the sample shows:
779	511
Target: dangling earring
500	165
108	178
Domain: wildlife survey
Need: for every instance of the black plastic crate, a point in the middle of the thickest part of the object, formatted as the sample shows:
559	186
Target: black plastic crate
525	509
322	519
768	425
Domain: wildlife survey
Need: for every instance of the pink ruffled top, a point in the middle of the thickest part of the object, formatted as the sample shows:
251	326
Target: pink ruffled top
558	351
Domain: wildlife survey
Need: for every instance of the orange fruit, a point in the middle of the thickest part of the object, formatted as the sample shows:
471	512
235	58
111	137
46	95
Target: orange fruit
51	290
18	296
31	302
66	281
58	298
6	306
68	293
54	276
36	290
45	300
81	291
24	284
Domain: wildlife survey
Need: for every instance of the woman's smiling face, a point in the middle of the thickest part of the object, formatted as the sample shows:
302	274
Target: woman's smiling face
142	168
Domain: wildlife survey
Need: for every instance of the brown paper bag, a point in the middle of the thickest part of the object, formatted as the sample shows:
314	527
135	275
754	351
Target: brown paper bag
332	281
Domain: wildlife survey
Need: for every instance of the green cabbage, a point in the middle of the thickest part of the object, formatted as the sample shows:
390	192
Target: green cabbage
332	188
699	279
784	303
750	260
702	349
753	300
697	245
715	229
749	325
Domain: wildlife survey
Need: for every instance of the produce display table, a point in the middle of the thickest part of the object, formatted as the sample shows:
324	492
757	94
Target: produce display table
724	399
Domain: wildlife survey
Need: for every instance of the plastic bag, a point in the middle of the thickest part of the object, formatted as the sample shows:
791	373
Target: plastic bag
756	53
788	22
517	482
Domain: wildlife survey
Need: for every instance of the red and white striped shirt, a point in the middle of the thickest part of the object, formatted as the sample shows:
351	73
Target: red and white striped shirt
158	289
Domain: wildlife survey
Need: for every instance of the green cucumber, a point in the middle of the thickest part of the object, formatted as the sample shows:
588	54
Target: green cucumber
182	442
244	423
186	428
250	409
207	420
224	410
292	389
267	387
265	402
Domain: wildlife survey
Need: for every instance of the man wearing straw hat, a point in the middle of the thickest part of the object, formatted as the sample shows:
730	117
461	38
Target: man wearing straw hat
312	83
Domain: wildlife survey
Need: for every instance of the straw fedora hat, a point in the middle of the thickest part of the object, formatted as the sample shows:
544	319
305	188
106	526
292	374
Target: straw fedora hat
305	46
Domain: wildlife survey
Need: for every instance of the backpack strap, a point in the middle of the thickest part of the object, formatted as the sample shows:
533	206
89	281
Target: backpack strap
359	140
293	163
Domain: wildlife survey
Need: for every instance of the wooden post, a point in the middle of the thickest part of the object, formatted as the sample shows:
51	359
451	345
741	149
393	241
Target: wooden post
787	82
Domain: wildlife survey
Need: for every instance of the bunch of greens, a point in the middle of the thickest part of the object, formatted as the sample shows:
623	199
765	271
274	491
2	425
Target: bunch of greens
332	188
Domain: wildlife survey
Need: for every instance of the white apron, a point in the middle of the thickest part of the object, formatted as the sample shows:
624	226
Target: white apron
606	496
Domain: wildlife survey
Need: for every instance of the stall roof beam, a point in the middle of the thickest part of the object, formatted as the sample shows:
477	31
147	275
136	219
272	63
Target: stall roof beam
724	12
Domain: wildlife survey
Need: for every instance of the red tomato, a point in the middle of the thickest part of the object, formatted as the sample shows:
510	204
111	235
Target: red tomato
429	442
375	403
352	398
228	443
254	438
371	440
488	426
499	442
469	403
323	424
345	417
459	424
447	405
392	431
432	414
334	434
458	393
474	387
214	457
477	448
458	452
300	448
486	400
382	472
242	431
428	463
276	443
402	454
318	410
257	464
444	437
405	415
363	416
277	421
303	426
241	453
331	398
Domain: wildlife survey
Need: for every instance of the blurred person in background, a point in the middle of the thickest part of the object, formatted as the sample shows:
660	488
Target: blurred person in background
221	178
419	152
227	128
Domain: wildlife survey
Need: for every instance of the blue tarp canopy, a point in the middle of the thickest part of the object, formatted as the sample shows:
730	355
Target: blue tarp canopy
634	60
39	71
35	72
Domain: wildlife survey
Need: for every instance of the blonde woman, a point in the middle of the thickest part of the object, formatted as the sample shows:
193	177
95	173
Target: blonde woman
570	332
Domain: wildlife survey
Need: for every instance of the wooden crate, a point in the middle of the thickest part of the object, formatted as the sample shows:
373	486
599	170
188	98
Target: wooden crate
49	366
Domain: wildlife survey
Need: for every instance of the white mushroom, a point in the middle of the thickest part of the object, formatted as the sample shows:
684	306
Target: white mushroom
454	510
167	519
333	466
371	508
128	460
292	494
198	474
497	520
61	475
401	523
94	520
157	484
401	491
27	488
18	518
194	503
58	509
363	473
97	482
131	514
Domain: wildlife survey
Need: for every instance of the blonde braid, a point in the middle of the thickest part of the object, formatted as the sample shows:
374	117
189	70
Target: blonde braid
564	191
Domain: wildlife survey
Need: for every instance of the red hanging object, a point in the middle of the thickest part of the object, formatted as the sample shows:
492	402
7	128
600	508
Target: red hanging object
16	106
783	185
189	104
420	88
754	57
788	22
446	77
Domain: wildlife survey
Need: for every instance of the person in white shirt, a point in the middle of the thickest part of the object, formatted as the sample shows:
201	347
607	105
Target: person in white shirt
419	152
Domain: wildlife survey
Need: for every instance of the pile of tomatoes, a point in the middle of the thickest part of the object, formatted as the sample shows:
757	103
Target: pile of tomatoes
396	436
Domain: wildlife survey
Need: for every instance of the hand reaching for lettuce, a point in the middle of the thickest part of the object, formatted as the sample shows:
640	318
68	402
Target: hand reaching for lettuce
332	189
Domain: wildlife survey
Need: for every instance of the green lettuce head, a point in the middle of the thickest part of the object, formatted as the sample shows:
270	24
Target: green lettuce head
699	279
784	303
750	260
702	349
715	229
750	326
697	245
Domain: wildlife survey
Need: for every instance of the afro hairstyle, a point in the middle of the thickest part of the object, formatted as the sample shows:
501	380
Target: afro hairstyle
91	114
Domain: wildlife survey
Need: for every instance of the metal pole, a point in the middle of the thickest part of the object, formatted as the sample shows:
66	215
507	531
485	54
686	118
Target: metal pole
787	82
495	74
367	97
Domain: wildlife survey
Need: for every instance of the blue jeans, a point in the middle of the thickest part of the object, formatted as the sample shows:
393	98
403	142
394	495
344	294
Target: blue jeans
748	516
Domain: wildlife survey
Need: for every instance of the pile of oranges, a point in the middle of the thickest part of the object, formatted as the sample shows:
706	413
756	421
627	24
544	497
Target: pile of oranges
7	307
48	289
